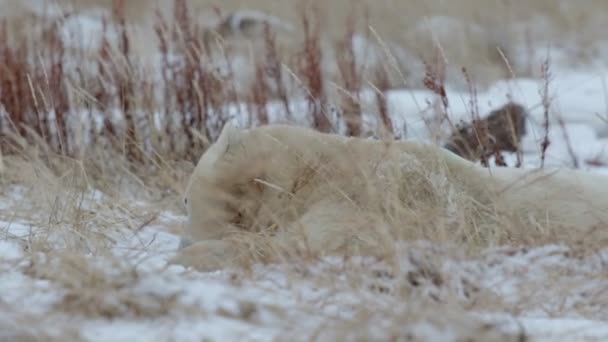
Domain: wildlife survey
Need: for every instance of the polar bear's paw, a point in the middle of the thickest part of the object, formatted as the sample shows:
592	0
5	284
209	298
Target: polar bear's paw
206	255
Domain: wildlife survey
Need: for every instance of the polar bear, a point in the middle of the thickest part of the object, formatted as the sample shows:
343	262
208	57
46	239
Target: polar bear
282	191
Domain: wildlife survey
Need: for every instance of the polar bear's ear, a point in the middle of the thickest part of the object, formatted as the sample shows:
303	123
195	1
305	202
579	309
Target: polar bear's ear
230	136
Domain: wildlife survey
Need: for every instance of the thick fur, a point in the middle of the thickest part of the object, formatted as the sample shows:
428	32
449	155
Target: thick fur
300	192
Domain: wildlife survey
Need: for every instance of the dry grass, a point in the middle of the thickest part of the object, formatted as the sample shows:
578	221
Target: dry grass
60	159
92	289
466	33
96	284
136	94
18	328
275	185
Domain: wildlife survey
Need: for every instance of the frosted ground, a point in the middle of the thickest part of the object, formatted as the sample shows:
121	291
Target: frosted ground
546	293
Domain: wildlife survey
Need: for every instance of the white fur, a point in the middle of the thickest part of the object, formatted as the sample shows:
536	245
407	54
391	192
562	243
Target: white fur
260	176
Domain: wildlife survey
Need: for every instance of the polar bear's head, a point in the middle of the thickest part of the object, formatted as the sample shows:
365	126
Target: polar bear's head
226	189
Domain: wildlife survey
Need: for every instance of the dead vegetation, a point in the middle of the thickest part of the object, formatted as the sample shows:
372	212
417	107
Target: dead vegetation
18	328
92	290
168	103
499	131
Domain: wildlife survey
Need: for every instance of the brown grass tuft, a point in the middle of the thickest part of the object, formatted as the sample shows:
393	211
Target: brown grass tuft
546	103
499	131
97	290
311	63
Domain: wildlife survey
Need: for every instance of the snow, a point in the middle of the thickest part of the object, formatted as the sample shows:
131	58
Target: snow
276	299
576	97
579	97
548	292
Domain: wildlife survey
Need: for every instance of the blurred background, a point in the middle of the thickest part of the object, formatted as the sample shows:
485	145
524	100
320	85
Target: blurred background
149	68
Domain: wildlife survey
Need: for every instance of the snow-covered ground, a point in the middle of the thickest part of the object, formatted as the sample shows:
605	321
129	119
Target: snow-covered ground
436	293
547	293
